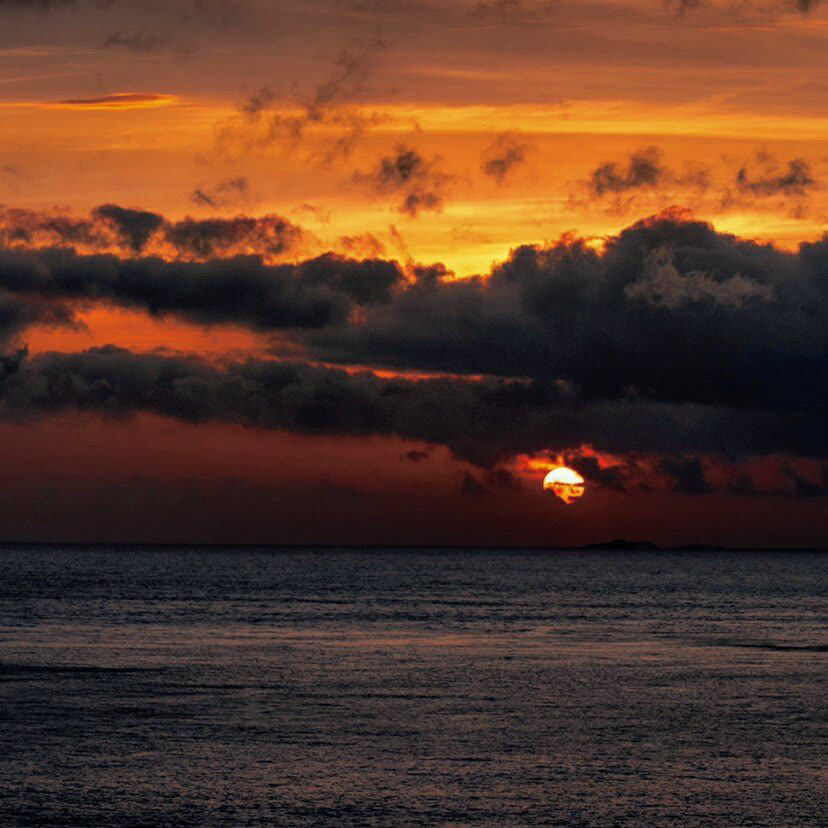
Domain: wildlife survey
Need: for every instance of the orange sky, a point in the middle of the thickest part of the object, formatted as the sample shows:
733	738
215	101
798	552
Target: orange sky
126	103
142	104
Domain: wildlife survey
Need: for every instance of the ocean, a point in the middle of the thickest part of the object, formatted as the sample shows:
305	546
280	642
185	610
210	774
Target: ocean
219	686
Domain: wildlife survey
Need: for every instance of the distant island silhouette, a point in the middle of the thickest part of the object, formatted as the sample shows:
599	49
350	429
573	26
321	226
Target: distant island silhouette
624	545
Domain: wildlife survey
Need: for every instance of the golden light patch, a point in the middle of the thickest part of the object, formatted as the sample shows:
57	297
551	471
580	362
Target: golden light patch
565	483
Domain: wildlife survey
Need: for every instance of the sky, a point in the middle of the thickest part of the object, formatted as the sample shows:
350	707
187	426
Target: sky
363	271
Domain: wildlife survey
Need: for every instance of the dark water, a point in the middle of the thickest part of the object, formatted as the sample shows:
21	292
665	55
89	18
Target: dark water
173	687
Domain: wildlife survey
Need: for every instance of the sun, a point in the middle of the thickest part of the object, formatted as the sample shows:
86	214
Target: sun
566	483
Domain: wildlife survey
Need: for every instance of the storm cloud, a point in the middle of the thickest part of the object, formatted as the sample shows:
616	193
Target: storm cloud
673	338
481	421
671	310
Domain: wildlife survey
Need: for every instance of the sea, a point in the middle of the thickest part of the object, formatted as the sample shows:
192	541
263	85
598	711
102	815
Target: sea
173	686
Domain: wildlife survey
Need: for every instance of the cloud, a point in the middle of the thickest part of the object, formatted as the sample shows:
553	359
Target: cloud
240	290
261	121
125	100
230	192
643	178
134	227
364	245
19	313
671	310
116	229
420	184
687	474
643	170
646	179
673	339
484	422
638	472
206	238
683	7
765	183
797	180
503	156
662	284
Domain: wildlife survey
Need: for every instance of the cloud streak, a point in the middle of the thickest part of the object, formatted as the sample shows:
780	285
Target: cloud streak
262	120
240	291
117	229
483	422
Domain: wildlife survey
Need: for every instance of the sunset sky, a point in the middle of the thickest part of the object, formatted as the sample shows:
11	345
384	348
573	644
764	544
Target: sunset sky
362	271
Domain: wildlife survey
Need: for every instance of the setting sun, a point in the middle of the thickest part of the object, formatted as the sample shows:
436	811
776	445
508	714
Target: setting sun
565	483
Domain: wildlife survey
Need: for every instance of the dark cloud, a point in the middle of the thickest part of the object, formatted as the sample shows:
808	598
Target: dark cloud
241	290
123	100
670	311
134	227
420	183
644	177
206	238
796	180
616	476
644	169
661	284
698	475
116	229
674	339
682	7
482	421
19	313
637	472
784	477
22	227
687	474
503	156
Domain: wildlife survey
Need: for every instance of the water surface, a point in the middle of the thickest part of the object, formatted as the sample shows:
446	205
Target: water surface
171	686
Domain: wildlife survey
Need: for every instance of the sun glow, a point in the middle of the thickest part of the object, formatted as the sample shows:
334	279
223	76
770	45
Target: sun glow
565	483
